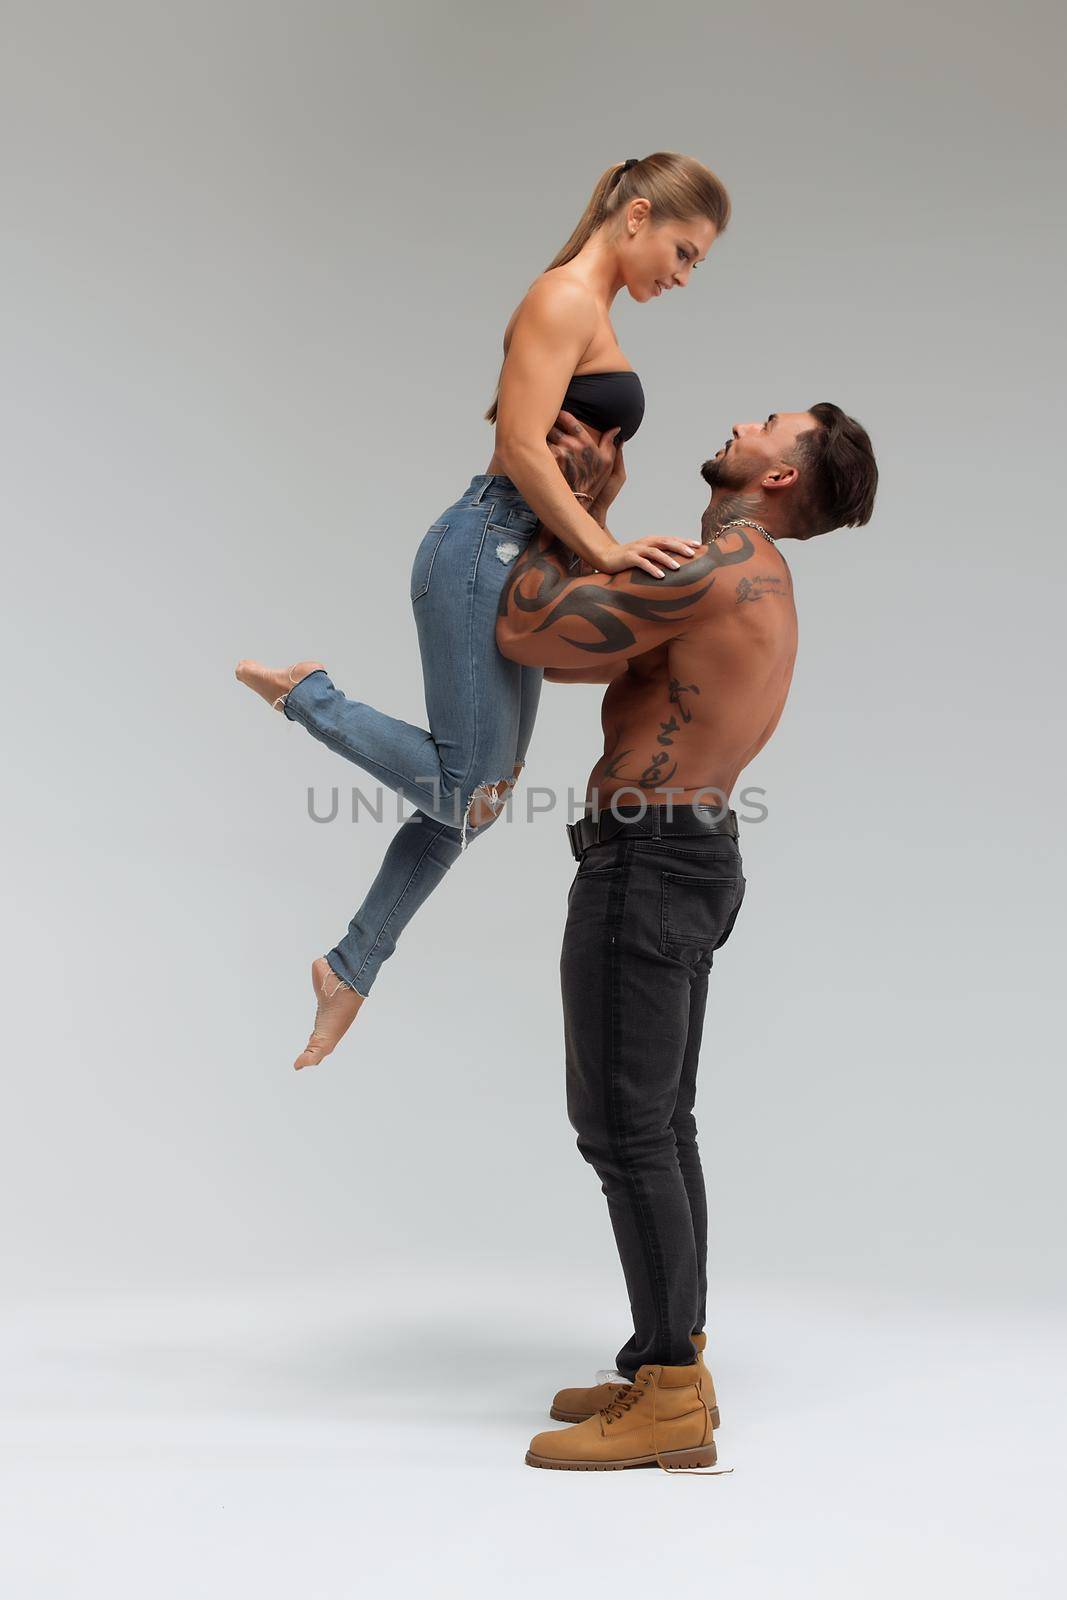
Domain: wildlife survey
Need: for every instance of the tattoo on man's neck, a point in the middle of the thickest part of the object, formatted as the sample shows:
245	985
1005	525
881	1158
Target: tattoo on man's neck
724	510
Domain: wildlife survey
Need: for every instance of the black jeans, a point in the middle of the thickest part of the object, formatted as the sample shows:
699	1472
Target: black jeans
644	916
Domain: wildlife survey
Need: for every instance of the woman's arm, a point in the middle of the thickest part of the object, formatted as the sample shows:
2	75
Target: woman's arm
553	330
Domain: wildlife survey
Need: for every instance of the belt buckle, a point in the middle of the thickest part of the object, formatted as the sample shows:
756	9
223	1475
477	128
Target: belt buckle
572	837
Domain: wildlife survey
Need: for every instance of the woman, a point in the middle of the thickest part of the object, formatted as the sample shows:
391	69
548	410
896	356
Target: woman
647	225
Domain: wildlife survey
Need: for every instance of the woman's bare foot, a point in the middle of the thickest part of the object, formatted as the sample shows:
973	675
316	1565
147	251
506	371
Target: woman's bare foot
274	683
337	1007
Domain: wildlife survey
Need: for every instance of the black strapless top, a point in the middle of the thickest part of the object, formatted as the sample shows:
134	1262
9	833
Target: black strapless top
607	400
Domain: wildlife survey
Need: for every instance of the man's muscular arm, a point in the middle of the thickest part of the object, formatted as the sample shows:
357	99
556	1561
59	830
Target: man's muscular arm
549	618
584	674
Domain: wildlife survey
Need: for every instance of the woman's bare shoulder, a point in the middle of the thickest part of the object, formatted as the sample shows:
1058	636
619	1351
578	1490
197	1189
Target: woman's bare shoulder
556	300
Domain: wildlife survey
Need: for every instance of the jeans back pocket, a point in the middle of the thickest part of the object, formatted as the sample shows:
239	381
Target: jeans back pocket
519	521
422	566
697	914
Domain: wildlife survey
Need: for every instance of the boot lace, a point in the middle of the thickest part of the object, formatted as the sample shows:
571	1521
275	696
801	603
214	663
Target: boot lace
631	1396
622	1402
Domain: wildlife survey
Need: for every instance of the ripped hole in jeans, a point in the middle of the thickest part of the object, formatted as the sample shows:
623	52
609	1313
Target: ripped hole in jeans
487	802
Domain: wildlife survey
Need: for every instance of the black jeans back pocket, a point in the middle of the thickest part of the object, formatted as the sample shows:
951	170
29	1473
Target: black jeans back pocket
697	914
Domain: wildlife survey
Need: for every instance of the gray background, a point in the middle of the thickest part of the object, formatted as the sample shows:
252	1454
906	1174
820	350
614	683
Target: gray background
258	260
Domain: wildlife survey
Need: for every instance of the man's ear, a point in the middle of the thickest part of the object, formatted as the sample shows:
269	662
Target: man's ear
783	477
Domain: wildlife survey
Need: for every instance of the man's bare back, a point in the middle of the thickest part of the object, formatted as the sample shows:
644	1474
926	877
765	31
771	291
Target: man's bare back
687	712
692	713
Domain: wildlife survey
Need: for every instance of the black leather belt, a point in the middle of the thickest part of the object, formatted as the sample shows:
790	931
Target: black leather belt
653	822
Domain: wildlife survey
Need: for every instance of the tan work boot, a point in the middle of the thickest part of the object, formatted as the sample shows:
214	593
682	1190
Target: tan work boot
659	1417
574	1405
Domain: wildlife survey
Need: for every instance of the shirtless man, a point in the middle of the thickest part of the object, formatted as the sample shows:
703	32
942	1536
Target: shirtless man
698	664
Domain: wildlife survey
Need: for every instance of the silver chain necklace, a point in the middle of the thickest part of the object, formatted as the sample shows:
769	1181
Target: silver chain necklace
744	522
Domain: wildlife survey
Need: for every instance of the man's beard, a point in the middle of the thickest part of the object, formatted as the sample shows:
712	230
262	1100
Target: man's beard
718	473
727	483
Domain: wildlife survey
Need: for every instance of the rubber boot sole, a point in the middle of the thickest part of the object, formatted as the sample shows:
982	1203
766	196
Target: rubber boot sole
583	1416
704	1455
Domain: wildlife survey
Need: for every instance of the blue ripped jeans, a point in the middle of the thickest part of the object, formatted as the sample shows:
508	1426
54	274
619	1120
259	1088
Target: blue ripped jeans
480	707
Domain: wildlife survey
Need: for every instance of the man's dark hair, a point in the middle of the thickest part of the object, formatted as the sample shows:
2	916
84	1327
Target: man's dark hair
839	474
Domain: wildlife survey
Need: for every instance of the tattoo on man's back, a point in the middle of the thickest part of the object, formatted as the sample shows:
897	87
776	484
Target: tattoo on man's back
675	693
604	607
756	588
581	468
657	772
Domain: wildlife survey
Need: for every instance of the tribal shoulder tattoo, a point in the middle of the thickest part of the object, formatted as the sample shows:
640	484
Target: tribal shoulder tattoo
541	593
